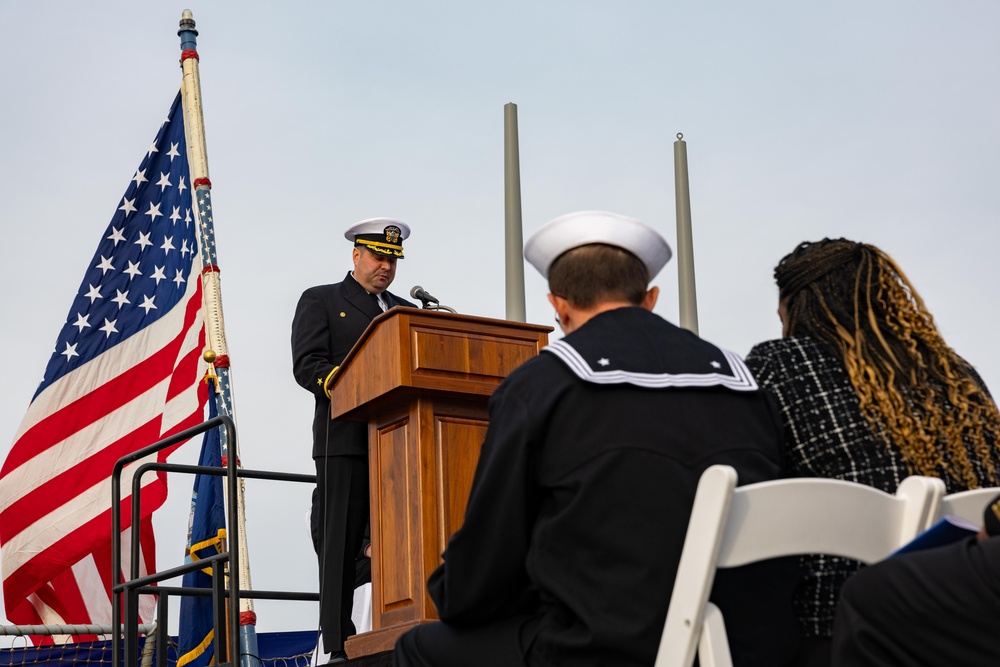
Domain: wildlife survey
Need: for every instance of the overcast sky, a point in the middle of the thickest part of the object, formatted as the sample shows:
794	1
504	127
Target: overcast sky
876	121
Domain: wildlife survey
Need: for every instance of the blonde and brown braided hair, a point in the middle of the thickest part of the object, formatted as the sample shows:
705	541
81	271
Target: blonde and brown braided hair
914	390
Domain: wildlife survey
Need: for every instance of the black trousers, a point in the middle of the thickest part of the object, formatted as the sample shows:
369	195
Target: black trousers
339	520
935	607
437	644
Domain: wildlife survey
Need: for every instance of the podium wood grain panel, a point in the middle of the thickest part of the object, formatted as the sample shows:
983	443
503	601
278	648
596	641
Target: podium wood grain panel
457	442
437	353
394	467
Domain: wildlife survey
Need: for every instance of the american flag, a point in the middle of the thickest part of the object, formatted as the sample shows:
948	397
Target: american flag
124	373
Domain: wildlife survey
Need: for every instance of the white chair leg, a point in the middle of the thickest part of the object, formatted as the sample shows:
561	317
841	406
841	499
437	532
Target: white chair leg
713	646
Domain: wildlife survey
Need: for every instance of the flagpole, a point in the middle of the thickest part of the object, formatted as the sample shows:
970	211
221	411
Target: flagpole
688	298
218	351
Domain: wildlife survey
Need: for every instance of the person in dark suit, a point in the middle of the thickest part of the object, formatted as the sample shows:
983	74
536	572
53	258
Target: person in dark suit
329	320
937	606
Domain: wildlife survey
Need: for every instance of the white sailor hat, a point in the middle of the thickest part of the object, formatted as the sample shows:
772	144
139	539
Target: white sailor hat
382	235
585	227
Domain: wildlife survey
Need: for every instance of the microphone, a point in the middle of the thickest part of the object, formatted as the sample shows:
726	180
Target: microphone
418	293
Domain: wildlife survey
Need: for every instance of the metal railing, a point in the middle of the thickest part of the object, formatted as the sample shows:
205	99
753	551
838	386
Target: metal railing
125	594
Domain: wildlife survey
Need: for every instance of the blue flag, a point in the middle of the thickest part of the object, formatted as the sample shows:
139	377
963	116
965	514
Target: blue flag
206	537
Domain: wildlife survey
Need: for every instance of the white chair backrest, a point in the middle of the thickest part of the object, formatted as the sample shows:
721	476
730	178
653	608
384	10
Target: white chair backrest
826	516
732	526
967	504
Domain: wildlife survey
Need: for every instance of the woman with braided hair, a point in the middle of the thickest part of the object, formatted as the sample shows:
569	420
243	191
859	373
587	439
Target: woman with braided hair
869	392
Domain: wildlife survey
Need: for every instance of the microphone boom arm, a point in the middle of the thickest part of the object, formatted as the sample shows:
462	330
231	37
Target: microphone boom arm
428	301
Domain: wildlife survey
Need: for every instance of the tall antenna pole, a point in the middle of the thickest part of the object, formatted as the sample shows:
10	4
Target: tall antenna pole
688	298
513	242
218	351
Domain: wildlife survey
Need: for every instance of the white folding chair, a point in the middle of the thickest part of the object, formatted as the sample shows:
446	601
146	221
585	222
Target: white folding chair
732	526
966	504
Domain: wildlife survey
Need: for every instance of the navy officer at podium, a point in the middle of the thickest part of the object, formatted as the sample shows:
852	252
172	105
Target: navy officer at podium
329	320
587	475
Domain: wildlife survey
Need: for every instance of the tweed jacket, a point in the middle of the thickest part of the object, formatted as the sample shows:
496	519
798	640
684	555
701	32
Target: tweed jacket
827	435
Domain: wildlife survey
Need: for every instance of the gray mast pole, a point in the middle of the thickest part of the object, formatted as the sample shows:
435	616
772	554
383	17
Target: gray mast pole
513	242
688	299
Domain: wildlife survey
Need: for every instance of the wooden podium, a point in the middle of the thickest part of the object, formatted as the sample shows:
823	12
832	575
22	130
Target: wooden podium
421	379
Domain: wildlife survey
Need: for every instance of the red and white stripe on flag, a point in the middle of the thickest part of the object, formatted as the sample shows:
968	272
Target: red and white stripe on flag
125	373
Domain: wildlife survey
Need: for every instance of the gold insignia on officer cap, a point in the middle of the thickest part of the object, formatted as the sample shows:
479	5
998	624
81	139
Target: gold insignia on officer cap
585	227
384	236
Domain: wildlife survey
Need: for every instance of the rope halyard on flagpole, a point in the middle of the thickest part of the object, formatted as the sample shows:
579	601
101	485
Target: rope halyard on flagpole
212	295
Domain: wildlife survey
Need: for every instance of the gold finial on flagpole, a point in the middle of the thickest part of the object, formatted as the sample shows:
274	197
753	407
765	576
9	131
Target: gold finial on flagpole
209	356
